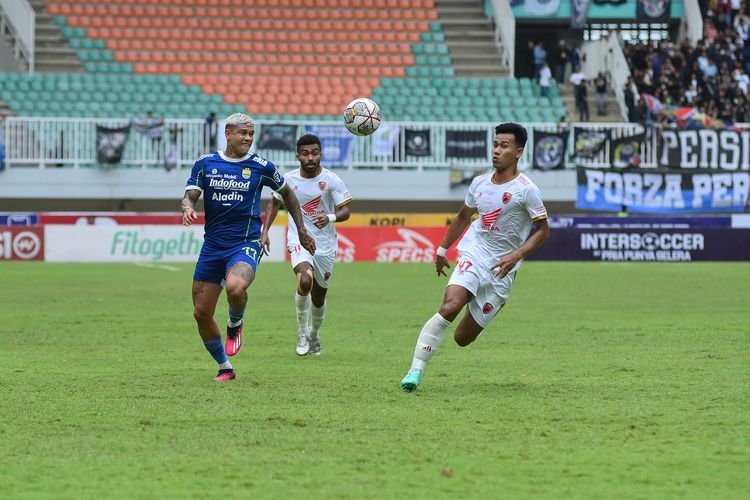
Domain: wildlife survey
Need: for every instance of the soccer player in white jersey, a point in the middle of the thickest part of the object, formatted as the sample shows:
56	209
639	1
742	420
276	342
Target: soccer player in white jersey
490	252
324	200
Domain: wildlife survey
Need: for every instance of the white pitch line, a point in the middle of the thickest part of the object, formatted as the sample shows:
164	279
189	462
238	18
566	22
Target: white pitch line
151	265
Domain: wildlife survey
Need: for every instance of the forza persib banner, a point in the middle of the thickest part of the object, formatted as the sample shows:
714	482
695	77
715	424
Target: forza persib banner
662	190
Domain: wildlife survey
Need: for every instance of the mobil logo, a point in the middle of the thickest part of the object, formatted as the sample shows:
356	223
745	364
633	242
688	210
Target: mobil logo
346	250
21	244
413	247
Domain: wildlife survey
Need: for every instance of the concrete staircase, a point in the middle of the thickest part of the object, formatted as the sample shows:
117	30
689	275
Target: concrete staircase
613	110
470	36
52	51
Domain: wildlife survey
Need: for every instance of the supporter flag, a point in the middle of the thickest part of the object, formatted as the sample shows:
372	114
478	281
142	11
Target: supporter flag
466	144
653	104
336	141
417	142
626	151
653	9
384	139
110	143
579	12
278	137
541	7
587	144
549	150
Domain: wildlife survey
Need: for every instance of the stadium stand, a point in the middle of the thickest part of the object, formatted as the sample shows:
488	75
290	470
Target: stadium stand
710	75
137	55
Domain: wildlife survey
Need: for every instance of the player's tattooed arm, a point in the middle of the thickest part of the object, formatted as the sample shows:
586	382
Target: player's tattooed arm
292	208
271	210
189	215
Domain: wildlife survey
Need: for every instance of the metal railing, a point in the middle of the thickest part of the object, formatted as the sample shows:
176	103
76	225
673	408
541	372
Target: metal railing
42	142
19	17
505	32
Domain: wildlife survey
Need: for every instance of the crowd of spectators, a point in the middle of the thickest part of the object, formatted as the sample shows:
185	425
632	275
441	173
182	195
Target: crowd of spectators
710	75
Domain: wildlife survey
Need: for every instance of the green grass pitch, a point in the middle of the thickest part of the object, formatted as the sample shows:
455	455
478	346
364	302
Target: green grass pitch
599	380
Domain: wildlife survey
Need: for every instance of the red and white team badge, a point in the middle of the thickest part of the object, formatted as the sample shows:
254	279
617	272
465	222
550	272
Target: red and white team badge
322	185
507	197
487	308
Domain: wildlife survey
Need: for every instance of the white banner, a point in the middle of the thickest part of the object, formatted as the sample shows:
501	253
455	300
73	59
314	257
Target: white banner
541	7
137	243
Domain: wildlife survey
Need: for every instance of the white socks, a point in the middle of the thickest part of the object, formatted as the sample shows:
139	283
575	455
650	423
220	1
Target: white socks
225	365
429	341
318	314
302	303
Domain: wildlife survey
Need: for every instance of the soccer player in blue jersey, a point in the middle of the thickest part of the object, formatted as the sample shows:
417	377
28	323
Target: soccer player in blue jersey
231	182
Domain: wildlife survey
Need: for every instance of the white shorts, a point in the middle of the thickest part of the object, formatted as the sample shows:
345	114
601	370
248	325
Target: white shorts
490	292
322	264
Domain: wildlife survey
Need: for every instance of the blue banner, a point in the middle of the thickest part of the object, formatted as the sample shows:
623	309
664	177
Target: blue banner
662	190
336	142
18	219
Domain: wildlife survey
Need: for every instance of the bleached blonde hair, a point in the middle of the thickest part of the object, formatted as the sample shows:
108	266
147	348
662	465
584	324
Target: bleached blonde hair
238	119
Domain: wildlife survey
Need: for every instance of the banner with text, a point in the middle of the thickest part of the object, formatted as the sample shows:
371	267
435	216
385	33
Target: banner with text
710	148
662	190
646	244
390	244
463	144
127	243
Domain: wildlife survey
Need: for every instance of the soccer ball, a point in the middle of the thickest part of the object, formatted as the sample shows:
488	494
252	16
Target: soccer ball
362	116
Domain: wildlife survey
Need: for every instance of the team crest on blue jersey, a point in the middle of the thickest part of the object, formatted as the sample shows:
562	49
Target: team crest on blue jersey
246	173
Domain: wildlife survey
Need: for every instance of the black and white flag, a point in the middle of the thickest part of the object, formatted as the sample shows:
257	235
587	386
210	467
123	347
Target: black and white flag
549	150
110	143
466	144
587	144
278	137
417	142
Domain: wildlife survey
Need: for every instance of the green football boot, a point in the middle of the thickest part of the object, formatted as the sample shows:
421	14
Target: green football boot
411	381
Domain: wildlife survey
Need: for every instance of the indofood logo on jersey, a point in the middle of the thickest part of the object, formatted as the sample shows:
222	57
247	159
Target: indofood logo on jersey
414	247
232	184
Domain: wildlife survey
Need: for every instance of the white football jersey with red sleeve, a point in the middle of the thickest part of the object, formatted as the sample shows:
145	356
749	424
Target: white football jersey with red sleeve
320	195
506	214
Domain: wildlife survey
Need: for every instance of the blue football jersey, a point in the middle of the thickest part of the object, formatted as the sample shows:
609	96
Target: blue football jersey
231	190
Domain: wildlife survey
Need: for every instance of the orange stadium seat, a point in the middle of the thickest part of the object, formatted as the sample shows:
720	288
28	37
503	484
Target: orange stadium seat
289	48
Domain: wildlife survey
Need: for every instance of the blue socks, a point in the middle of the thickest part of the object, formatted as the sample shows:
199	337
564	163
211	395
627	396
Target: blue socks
216	348
235	316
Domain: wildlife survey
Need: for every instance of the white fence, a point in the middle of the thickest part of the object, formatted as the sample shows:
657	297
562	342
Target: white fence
71	143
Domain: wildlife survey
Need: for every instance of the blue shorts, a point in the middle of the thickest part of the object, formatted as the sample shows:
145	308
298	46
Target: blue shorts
214	263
